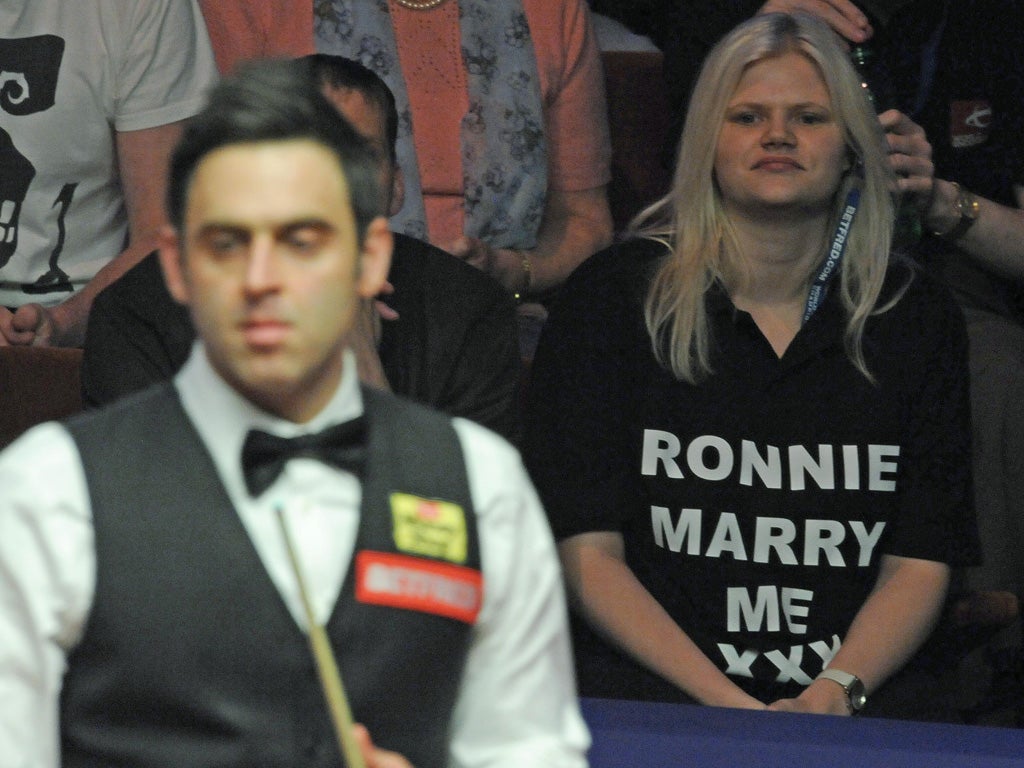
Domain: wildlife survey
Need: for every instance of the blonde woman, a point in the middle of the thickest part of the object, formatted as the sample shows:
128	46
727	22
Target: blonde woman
749	424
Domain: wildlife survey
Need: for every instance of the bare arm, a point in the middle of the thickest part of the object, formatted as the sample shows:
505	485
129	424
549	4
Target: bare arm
575	225
995	240
608	594
142	158
894	621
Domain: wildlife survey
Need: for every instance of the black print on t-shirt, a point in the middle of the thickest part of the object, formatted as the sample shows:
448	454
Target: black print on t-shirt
823	542
29	71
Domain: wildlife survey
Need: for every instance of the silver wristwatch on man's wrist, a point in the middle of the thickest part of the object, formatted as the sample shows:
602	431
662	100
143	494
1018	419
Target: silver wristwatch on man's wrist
856	696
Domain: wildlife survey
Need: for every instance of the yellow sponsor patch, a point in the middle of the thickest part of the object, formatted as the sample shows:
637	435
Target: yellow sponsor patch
429	527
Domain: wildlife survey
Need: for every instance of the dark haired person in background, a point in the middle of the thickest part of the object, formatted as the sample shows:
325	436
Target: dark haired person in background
148	614
449	341
92	99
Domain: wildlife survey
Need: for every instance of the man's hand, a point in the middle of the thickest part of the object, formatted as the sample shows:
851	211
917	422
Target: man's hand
31	325
6	330
472	250
385	311
374	757
504	265
842	15
910	155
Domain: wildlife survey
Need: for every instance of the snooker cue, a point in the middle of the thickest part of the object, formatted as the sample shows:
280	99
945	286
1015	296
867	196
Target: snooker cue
326	666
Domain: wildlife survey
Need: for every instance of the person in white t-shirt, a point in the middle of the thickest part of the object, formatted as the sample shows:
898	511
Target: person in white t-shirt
92	97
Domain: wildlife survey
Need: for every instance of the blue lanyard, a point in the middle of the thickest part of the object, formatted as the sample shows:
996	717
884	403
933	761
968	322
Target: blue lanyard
819	288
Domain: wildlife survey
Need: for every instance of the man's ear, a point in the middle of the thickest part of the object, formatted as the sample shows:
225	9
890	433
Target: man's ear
170	263
374	258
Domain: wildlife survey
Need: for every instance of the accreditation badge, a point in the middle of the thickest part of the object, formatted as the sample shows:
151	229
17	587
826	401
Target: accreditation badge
429	527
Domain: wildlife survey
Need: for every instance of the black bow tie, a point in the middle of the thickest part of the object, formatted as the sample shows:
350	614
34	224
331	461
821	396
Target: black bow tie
264	455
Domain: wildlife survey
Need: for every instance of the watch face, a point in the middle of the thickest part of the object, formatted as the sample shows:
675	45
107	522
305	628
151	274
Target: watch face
858	697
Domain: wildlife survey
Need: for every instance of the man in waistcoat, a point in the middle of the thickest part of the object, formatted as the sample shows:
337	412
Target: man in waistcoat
149	614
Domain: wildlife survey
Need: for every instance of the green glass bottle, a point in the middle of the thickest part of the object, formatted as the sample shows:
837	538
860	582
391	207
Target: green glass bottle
908	230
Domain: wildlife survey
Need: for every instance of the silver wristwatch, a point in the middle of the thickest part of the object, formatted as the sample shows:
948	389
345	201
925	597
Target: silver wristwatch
856	696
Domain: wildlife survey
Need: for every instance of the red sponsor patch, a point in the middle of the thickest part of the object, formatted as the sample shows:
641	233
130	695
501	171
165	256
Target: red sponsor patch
415	584
969	122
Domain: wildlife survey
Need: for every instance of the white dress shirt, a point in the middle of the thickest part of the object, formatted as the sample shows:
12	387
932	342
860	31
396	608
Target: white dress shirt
517	705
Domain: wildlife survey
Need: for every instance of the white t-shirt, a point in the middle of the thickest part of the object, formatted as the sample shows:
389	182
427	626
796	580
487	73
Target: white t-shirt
72	75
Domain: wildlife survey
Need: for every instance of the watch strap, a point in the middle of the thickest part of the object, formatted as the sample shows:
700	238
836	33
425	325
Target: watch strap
851	685
968	208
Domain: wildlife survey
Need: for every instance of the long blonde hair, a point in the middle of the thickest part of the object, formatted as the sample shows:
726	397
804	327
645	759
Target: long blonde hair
691	221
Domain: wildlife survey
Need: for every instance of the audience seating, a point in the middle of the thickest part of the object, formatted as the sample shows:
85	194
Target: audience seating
37	384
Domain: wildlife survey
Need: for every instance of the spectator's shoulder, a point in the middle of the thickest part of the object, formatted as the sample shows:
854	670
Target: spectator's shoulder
919	313
418	263
136	311
37	448
428	278
624	268
919	289
139	287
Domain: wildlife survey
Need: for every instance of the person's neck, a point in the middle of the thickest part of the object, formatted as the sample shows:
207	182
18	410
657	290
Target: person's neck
301	404
779	258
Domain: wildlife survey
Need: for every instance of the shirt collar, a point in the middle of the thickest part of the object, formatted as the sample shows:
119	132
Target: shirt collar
717	300
823	331
223	417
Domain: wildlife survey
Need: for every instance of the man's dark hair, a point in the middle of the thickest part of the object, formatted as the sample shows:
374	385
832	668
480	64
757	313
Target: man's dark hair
275	101
340	72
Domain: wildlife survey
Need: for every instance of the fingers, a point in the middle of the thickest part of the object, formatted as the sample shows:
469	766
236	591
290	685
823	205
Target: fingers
460	247
471	250
503	264
842	15
5	326
914	175
784	705
910	155
895	122
385	312
28	325
791	705
904	136
374	757
382	758
28	318
751	703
